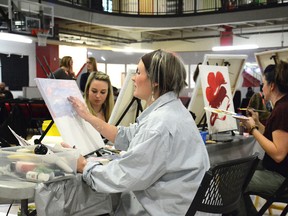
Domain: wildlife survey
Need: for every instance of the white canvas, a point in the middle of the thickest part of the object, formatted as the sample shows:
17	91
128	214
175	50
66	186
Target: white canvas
269	57
216	90
73	129
123	102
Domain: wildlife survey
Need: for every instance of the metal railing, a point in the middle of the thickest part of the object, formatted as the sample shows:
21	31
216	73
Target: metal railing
168	7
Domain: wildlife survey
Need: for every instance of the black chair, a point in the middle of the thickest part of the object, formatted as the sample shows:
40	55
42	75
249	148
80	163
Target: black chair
222	186
281	195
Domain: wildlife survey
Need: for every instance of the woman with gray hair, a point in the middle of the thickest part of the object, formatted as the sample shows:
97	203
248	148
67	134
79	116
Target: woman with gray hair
165	158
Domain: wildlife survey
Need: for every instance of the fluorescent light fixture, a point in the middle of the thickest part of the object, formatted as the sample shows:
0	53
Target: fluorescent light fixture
239	47
14	37
103	58
129	50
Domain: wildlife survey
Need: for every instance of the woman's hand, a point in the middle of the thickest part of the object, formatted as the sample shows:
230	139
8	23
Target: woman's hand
65	145
253	114
81	163
79	107
248	123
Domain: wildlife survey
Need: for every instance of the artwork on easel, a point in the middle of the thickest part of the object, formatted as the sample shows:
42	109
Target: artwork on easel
217	94
235	65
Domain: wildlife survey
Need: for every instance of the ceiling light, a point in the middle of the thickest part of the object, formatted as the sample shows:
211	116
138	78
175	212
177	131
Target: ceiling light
14	37
239	47
103	58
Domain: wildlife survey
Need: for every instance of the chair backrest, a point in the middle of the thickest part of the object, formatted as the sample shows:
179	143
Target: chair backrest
223	185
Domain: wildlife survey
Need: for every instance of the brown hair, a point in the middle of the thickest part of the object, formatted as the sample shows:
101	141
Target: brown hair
166	69
65	62
281	76
278	74
94	63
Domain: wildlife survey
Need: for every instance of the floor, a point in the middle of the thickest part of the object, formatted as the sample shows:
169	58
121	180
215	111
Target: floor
15	208
13	211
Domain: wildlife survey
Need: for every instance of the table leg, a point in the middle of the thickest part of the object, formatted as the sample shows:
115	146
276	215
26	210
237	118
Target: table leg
24	207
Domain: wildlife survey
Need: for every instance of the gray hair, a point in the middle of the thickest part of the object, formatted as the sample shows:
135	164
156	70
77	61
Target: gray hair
168	71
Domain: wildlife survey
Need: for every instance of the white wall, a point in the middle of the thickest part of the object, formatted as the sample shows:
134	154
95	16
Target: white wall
78	54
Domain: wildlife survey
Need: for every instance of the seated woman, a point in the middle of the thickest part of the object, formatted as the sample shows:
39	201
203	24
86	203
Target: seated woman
65	71
272	137
99	96
165	158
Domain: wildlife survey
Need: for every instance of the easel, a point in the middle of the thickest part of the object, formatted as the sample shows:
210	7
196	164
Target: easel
127	107
235	64
203	121
139	109
38	141
271	57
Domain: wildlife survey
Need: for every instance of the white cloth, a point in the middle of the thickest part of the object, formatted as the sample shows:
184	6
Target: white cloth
165	162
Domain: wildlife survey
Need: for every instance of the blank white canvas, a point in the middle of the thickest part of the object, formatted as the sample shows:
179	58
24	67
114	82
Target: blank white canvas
73	129
124	98
267	57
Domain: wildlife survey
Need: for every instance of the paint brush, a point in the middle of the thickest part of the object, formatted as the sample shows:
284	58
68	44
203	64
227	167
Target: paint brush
255	110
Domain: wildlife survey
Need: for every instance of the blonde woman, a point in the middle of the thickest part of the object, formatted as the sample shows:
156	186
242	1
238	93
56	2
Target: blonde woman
98	95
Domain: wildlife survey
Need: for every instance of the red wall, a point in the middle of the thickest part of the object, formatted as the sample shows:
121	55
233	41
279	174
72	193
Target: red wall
51	53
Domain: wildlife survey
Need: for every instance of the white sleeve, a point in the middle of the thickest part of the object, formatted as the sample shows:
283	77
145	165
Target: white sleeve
136	170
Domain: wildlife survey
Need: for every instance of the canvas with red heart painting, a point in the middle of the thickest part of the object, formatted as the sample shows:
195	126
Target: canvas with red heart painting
217	94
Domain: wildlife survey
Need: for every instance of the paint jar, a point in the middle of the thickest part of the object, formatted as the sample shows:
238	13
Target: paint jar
204	135
241	128
36	176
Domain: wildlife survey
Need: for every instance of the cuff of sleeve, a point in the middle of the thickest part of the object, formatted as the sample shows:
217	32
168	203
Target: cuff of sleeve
88	169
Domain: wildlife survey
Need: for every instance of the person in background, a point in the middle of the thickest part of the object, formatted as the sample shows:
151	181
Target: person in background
272	138
237	100
99	96
5	94
250	92
258	103
66	69
115	93
165	158
91	65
